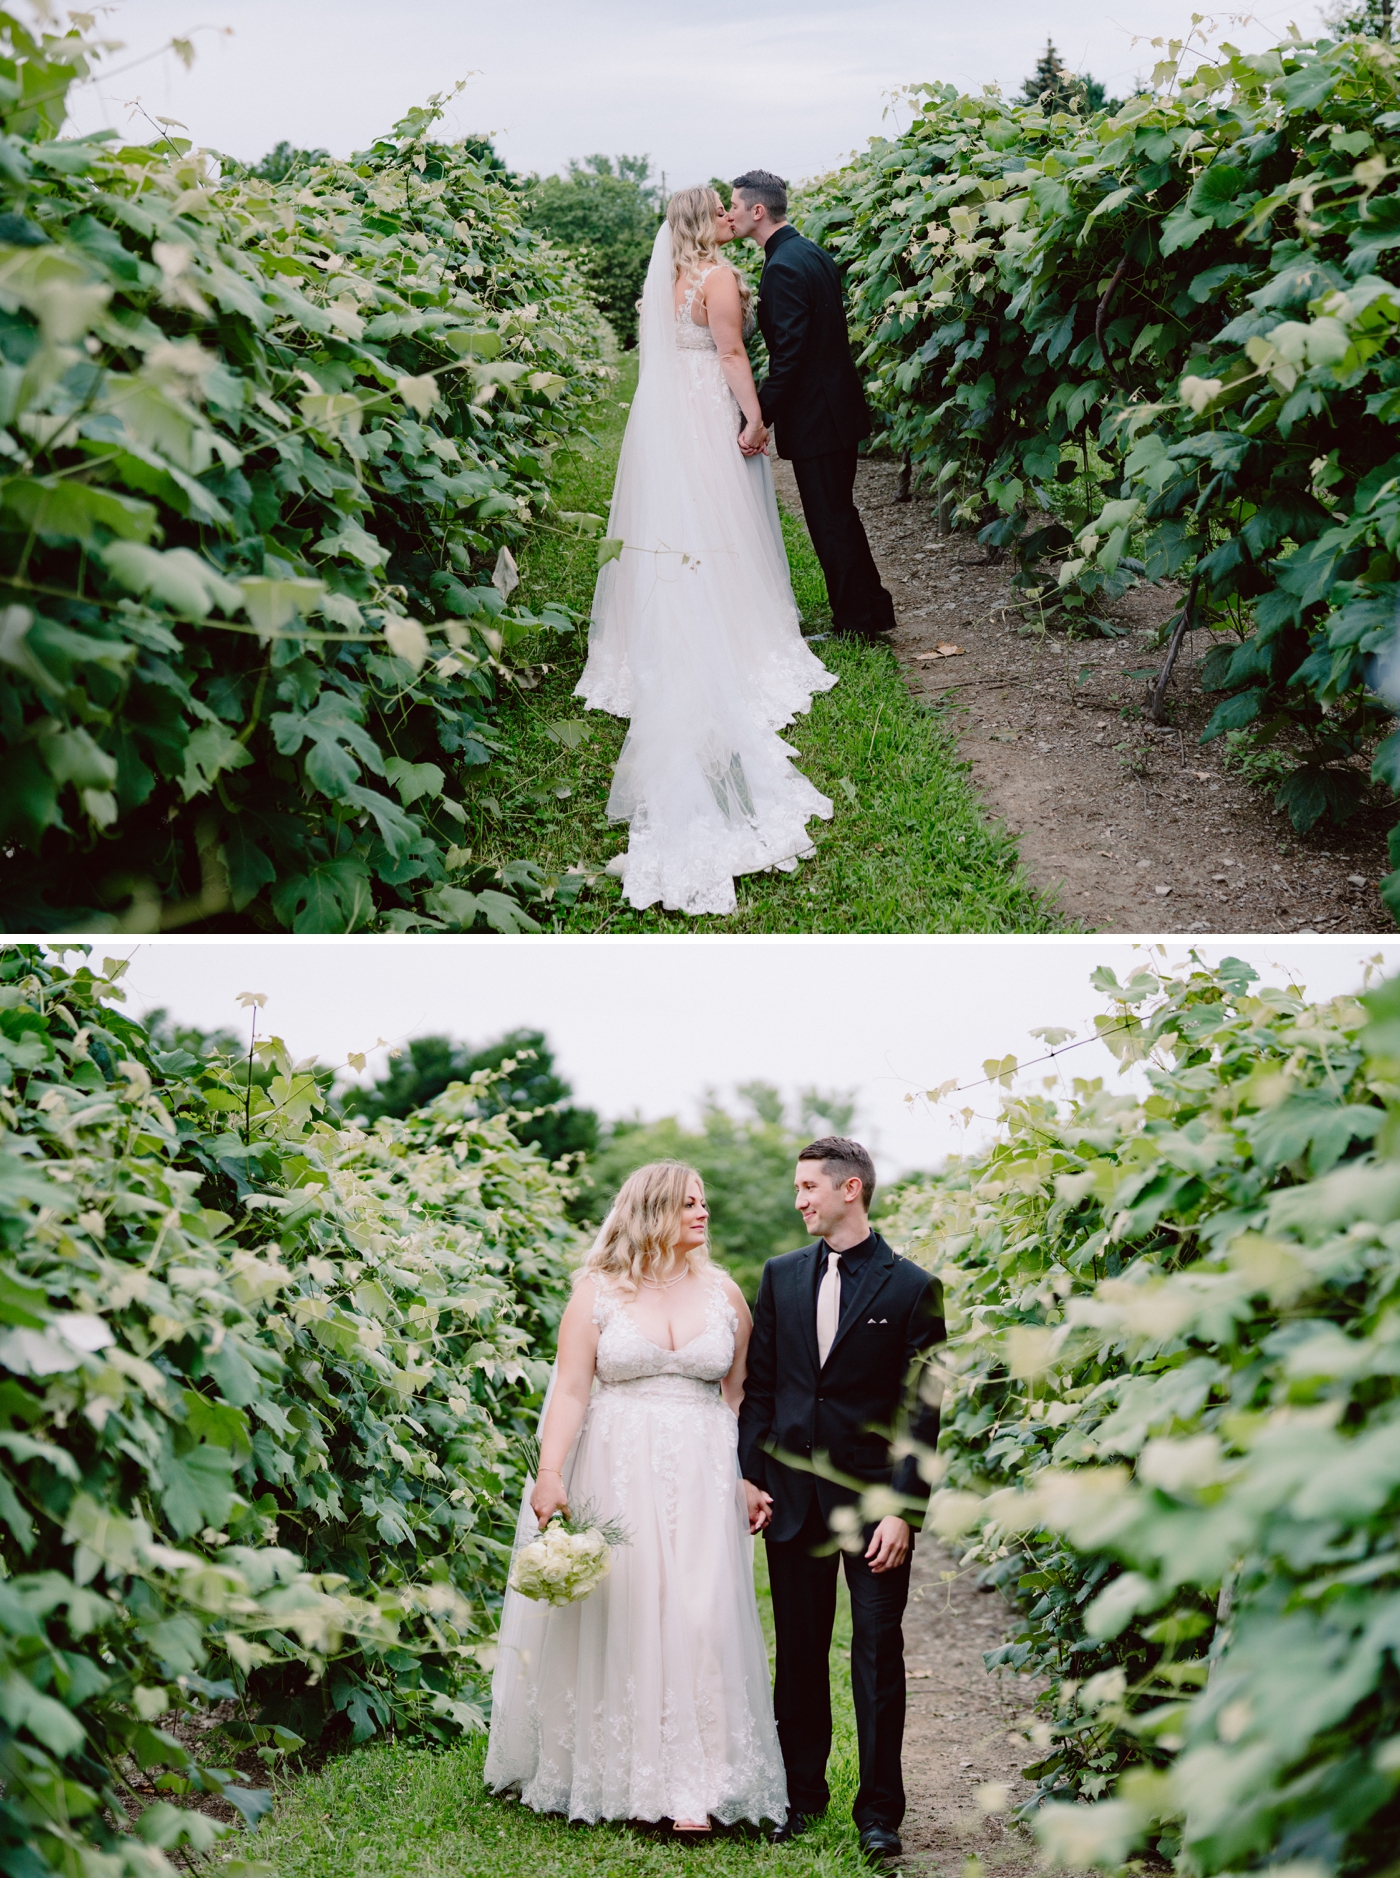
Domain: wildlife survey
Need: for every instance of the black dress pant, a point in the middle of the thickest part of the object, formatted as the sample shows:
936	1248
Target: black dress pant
804	1610
827	485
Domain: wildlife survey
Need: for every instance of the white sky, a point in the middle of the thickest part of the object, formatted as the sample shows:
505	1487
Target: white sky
712	88
646	1025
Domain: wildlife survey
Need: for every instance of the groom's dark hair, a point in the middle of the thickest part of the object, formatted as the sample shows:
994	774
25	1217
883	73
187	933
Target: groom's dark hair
763	186
843	1160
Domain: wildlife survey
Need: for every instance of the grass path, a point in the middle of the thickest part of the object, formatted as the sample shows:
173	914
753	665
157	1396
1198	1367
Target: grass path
909	848
397	1812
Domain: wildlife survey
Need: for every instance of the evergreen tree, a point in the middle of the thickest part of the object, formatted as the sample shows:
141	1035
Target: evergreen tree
1054	87
284	160
431	1063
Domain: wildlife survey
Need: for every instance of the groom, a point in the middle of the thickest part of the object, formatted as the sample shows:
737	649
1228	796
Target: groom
837	1334
814	396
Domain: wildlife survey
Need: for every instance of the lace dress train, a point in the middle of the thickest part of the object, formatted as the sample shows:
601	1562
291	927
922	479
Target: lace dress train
696	636
649	1699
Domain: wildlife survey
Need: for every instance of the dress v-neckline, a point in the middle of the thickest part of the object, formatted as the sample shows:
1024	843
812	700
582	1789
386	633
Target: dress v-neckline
674	1349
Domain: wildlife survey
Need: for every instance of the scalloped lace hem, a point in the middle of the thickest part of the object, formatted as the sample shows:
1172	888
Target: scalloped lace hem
695	873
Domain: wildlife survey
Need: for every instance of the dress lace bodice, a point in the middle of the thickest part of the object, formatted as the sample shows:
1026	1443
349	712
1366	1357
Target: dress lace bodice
691	337
626	1355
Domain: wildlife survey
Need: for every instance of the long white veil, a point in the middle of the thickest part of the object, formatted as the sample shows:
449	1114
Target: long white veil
695	635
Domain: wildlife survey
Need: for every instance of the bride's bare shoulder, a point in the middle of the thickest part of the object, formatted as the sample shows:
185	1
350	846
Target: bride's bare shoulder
721	282
589	1292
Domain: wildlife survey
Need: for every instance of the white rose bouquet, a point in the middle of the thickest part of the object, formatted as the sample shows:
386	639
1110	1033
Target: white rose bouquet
570	1558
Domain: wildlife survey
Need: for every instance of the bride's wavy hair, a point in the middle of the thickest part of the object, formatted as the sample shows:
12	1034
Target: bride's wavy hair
643	1225
693	218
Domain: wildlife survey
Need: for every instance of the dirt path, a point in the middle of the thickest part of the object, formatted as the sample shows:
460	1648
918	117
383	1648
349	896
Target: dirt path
1131	828
965	1727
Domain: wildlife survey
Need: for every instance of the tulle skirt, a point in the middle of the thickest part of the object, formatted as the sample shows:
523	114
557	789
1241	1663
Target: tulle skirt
696	638
649	1699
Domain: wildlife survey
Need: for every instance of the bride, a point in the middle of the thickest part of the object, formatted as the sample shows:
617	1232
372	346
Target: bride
695	633
649	1699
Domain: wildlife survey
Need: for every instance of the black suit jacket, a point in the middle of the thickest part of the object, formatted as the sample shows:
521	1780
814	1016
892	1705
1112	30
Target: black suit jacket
813	393
891	1313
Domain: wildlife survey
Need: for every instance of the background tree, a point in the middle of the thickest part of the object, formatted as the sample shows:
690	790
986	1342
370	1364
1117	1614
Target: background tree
430	1064
745	1160
283	160
1055	88
1375	18
607	211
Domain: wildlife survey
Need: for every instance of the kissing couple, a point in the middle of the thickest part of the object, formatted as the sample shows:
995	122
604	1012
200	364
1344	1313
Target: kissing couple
695	634
693	1426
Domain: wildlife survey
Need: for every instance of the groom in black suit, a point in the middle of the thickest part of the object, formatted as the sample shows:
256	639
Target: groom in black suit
814	397
839	1337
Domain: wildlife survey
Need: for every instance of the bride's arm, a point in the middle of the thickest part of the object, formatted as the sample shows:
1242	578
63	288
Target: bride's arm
732	1388
726	316
757	1503
573	1383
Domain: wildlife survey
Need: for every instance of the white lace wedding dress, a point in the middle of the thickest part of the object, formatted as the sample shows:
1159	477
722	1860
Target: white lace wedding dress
650	1698
695	635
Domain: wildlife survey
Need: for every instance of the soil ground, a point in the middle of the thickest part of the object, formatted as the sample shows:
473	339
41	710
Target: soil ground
1131	828
965	1728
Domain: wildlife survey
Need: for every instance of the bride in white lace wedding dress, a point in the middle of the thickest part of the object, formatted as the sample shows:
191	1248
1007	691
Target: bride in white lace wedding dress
650	1698
696	635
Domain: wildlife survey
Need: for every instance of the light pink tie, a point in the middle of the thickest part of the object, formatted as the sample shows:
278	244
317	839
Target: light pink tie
828	1306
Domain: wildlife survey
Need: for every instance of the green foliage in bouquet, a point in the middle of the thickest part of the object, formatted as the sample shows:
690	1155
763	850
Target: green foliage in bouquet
264	1382
1172	1422
1170	331
265	446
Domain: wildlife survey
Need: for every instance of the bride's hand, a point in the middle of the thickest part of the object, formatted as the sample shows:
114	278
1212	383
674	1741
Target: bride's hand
758	1505
753	439
549	1496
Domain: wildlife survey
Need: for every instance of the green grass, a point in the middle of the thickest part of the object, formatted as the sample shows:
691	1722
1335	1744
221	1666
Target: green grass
396	1812
909	848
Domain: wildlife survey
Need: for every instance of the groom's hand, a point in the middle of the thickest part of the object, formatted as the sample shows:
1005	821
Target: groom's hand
889	1545
759	1506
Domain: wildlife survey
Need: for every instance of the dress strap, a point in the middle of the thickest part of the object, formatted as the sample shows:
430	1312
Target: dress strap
718	1302
605	1303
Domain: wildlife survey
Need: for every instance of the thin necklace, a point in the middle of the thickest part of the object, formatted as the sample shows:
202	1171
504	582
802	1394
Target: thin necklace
664	1284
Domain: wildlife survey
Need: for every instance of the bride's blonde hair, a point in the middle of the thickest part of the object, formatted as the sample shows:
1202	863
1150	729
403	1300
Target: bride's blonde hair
643	1225
693	218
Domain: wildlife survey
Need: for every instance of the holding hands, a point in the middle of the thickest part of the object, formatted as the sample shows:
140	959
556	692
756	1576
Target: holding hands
753	438
759	1506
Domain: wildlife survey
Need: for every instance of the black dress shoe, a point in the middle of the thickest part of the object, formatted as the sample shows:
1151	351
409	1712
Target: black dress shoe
878	1843
793	1827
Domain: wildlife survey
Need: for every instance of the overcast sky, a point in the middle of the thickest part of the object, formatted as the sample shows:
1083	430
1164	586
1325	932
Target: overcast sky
642	1025
790	85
